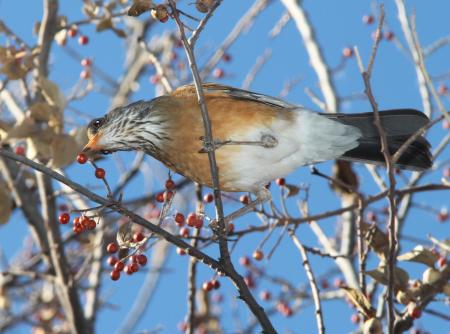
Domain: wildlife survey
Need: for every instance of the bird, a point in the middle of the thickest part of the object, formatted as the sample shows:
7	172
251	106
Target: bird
257	138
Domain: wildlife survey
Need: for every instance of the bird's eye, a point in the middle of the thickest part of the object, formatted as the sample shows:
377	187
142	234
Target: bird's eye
96	123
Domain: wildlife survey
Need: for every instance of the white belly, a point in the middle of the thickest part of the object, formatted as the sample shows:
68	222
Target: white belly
310	138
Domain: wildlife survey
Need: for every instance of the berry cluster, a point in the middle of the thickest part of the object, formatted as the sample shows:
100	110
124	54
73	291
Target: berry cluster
212	284
134	261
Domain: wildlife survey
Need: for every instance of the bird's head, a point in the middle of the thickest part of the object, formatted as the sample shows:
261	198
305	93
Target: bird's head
136	126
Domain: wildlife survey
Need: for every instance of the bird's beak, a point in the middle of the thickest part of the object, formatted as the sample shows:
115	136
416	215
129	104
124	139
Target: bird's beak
92	145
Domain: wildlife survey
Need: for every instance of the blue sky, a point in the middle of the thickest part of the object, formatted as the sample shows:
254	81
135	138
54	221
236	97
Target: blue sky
338	24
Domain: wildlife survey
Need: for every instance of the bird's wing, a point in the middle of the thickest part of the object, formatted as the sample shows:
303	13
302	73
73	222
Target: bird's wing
227	91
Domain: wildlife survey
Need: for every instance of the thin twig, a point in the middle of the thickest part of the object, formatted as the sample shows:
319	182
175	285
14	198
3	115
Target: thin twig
312	282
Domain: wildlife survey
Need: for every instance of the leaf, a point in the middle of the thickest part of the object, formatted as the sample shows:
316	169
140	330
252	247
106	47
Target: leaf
446	289
360	301
140	7
380	275
52	93
42	111
64	149
419	254
104	24
119	32
22	129
376	239
14	70
292	190
39	145
5	203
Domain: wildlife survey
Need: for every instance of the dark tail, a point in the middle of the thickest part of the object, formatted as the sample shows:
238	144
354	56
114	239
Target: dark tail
399	125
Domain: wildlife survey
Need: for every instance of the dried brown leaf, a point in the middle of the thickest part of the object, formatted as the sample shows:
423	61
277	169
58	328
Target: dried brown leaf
42	111
380	274
14	70
64	150
5	203
419	254
22	129
119	32
104	24
292	190
52	93
140	7
360	301
376	239
39	145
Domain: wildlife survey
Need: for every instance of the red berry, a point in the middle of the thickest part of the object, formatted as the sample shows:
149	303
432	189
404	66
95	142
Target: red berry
154	79
181	251
64	218
216	284
446	172
184	232
76	220
442	89
244	199
443	215
281	181
72	32
250	281
115	275
368	19
82	158
226	57
78	228
138	237
160	197
170	184
198	222
100	173
19	150
355	318
112	248
414	311
91	225
389	35
127	270
446	124
265	295
119	265
83	40
230	228
179	219
63	207
191	219
86	62
258	255
442	262
371	216
347	52
142	259
338	283
244	261
324	284
218	73
168	194
134	267
85	74
112	260
207	286
208	198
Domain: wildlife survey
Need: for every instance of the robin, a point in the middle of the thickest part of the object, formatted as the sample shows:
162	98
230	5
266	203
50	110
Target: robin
258	138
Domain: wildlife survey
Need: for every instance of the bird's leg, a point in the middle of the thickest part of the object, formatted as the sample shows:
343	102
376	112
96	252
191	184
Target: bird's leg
267	141
263	195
